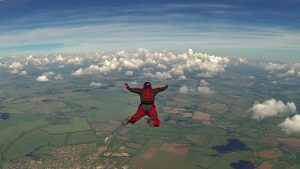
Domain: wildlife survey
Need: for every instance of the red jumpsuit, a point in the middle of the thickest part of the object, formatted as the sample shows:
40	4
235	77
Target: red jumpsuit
147	106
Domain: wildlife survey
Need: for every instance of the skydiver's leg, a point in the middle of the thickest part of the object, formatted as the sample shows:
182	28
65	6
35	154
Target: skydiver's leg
137	116
153	121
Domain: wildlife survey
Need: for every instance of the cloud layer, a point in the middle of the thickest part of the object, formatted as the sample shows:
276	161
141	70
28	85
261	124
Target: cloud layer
270	108
155	65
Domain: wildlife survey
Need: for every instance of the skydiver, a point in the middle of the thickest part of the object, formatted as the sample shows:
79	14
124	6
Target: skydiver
147	105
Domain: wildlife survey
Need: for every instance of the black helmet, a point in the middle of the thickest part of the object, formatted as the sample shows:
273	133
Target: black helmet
147	85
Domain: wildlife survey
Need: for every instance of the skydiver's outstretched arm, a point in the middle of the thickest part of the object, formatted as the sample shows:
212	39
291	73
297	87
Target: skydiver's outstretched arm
160	89
133	90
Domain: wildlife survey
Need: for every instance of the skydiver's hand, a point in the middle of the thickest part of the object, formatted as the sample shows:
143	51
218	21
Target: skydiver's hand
126	85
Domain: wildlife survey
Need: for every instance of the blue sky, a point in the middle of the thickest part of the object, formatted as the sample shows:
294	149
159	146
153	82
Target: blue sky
231	27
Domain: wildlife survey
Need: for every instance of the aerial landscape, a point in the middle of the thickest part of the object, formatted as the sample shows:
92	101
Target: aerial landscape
232	102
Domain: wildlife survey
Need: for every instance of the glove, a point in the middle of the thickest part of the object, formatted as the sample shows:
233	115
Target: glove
126	85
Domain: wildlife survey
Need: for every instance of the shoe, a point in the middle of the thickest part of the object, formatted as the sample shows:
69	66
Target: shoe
125	122
150	122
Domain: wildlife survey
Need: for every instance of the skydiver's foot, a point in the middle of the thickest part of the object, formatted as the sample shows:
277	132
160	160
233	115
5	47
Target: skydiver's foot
150	122
125	122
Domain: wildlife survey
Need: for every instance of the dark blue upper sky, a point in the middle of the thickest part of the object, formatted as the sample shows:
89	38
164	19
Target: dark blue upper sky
231	27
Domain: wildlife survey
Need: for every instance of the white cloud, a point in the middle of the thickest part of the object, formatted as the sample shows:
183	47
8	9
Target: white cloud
95	84
163	75
182	77
204	90
15	65
158	75
42	78
242	60
291	125
58	77
291	72
15	71
199	90
59	58
274	82
23	73
190	52
49	74
203	82
184	89
78	72
270	108
129	73
166	64
273	66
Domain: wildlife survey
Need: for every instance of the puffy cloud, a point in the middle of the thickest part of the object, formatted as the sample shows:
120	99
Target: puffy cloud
59	58
42	78
15	71
242	60
274	82
169	65
270	108
129	73
49	74
58	77
95	84
173	65
75	60
133	83
291	125
159	75
273	66
184	89
163	75
182	77
15	65
78	72
285	70
190	52
199	90
204	90
291	72
203	82
23	73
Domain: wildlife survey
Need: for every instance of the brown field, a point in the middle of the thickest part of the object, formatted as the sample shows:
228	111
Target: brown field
174	110
181	149
219	108
292	143
292	167
150	153
201	116
265	165
134	145
273	154
44	109
180	111
105	126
